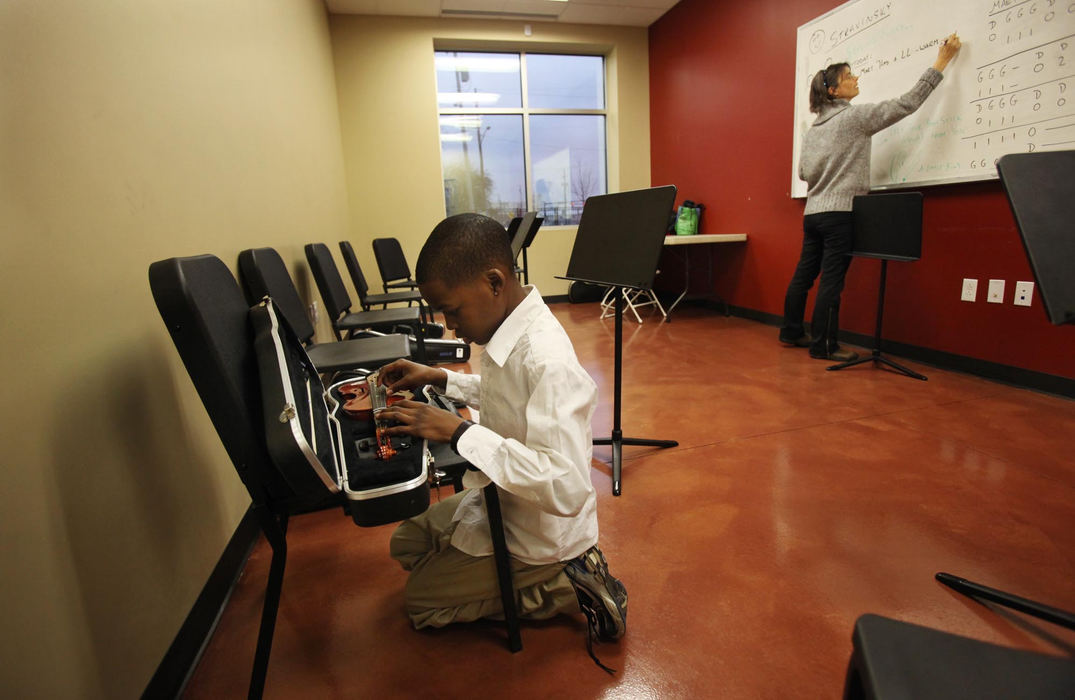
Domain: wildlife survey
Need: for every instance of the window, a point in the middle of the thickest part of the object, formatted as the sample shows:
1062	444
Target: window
521	131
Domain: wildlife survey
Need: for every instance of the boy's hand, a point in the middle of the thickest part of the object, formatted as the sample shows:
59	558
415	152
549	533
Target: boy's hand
404	374
420	420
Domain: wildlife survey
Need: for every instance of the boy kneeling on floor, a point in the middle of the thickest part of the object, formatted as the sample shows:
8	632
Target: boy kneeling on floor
534	442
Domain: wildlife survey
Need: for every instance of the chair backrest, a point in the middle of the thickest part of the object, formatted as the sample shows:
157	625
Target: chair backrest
521	233
513	226
351	261
205	313
390	260
329	283
538	221
263	273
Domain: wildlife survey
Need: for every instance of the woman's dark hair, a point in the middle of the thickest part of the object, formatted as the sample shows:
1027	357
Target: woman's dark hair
462	247
823	80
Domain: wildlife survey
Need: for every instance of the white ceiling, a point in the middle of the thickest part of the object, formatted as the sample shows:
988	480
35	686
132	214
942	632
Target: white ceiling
635	13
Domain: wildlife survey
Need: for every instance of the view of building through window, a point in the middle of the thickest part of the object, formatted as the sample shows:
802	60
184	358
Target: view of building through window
521	131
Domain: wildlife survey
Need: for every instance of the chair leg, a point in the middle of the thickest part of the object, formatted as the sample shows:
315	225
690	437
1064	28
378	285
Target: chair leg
503	567
275	529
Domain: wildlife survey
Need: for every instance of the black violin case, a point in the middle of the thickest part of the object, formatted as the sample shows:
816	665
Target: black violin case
320	449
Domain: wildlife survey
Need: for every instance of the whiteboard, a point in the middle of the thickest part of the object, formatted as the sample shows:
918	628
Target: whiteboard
1011	88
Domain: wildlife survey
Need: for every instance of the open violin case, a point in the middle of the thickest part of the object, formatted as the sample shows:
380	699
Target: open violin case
319	448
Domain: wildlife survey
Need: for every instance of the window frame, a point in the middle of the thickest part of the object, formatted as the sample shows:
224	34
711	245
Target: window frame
525	111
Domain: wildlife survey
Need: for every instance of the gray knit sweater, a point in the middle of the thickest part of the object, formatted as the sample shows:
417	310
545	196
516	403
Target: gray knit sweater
835	157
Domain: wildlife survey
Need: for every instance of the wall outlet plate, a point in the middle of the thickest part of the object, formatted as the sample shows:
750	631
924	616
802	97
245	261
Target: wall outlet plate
970	290
1024	292
996	292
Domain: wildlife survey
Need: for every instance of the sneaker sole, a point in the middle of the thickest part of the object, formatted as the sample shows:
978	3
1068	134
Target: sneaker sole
602	591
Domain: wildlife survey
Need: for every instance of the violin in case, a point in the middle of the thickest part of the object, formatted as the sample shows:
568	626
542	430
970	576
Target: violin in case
330	442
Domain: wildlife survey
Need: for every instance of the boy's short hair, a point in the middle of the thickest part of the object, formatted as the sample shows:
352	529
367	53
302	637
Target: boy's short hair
461	248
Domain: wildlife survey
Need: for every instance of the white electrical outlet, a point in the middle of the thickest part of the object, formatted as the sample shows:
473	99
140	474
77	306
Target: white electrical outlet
315	312
1024	291
996	292
970	290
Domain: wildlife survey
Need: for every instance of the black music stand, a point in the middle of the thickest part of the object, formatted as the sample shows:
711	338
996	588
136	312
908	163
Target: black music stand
887	227
1041	193
618	244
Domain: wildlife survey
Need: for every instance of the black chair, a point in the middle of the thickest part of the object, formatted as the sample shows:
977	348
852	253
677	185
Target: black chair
392	264
516	237
208	319
513	226
521	238
338	302
263	273
894	659
365	299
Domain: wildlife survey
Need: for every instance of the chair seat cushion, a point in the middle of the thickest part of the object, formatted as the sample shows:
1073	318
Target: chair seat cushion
360	353
392	297
379	318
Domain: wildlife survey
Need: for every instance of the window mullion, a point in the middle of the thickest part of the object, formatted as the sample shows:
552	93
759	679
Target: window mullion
528	176
479	110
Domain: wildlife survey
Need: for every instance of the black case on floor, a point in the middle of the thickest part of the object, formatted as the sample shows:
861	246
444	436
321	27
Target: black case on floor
320	449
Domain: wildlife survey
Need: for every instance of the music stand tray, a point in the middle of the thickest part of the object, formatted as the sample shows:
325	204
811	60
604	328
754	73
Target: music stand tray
618	244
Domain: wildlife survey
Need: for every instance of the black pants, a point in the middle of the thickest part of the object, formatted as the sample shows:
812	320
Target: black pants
827	240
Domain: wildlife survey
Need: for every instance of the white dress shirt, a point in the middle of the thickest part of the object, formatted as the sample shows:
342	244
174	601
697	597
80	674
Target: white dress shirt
534	440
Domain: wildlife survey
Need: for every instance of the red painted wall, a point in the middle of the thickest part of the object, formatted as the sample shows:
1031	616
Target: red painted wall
721	99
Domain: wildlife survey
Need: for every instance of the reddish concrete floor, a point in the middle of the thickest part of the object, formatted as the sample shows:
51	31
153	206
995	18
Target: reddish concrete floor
797	500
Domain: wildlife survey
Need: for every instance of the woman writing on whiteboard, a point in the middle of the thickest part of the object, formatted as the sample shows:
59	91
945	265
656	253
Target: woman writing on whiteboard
835	162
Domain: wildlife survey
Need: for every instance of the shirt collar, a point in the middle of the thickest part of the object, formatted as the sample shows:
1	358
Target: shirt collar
504	339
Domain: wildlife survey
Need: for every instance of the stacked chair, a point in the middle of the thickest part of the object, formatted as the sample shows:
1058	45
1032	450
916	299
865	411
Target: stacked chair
392	264
426	335
365	299
264	274
338	302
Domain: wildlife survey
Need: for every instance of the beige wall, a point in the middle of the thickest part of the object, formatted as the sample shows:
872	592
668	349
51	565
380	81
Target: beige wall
136	130
388	114
133	130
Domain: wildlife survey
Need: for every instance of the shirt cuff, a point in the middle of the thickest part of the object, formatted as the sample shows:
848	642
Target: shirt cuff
463	427
453	387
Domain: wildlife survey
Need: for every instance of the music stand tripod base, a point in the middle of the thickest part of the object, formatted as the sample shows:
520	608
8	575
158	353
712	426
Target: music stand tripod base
875	356
618	440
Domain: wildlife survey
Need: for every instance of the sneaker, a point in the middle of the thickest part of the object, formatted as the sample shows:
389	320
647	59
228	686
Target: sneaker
839	354
803	341
600	593
602	598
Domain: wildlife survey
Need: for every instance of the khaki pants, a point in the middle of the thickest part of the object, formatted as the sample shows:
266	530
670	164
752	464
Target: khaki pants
446	585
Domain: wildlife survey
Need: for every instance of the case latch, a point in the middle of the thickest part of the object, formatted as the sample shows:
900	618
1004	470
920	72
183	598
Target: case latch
287	414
